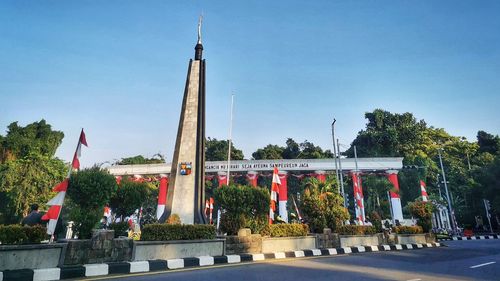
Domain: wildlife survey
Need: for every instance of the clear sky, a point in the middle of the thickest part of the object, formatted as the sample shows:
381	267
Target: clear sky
118	68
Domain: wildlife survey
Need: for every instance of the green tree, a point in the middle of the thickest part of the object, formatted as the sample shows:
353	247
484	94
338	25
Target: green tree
269	152
130	196
322	206
139	159
28	168
216	150
488	142
89	190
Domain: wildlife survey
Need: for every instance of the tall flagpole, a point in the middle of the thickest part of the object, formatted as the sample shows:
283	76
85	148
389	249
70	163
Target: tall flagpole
230	139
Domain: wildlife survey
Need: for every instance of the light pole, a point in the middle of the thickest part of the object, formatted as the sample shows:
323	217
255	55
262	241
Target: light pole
450	208
230	139
341	176
335	155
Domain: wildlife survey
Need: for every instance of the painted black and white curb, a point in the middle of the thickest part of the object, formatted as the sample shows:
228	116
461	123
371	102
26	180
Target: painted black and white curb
480	237
92	270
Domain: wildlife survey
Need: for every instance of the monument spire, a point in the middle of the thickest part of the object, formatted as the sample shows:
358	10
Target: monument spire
199	47
185	194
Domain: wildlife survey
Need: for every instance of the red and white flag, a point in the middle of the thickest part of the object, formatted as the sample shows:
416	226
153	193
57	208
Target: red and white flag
56	203
425	197
78	153
275	189
211	206
162	197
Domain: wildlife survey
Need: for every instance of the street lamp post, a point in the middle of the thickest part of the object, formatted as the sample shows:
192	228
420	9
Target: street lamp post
335	155
450	208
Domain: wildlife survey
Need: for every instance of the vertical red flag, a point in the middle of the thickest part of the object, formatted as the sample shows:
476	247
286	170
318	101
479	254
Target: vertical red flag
274	194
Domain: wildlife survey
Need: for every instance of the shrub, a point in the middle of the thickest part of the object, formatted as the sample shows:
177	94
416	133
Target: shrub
16	234
166	232
423	212
120	228
130	196
174	219
244	206
285	230
408	229
89	190
322	205
356	230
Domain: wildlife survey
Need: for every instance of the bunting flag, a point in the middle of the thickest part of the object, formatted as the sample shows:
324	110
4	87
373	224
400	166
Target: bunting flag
75	164
207	207
222	179
162	197
56	203
107	212
283	196
274	194
118	179
358	197
320	175
425	197
252	178
211	206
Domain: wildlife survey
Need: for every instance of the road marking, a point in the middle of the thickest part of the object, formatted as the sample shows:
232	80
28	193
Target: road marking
416	279
483	264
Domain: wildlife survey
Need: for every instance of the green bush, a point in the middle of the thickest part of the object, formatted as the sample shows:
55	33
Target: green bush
130	196
285	230
16	234
166	232
356	230
423	212
408	229
120	228
244	207
89	190
322	205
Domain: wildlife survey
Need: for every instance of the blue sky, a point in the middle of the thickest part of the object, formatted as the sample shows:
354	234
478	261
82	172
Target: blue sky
117	68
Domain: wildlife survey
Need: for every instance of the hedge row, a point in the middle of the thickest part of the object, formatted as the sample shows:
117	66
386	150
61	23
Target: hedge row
356	230
165	232
285	230
408	229
16	234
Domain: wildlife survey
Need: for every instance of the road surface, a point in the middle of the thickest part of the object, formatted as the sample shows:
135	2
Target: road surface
460	260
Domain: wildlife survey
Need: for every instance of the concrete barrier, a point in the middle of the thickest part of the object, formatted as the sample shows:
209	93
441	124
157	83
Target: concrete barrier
166	250
410	239
358	240
284	244
33	256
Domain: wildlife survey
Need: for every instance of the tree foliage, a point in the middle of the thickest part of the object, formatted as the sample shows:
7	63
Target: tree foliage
28	168
402	135
139	159
244	206
216	150
89	191
292	150
130	196
322	206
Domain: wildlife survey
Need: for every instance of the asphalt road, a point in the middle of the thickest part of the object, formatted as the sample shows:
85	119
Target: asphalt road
460	260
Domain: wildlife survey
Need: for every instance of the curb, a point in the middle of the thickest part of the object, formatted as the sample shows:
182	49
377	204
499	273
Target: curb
93	270
480	237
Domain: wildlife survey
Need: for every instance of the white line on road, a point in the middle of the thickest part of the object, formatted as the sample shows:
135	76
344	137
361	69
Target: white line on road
417	279
483	264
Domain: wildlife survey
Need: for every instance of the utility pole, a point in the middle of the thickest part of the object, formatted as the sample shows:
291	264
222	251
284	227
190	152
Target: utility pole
450	208
335	155
341	176
230	139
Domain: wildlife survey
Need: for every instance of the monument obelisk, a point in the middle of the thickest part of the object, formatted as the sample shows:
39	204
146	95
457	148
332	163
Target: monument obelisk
186	189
